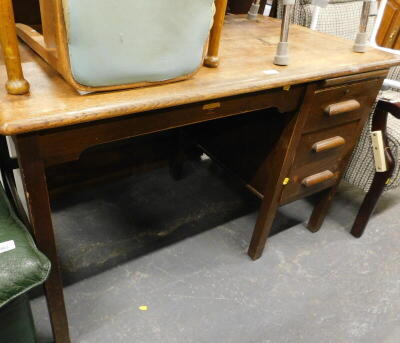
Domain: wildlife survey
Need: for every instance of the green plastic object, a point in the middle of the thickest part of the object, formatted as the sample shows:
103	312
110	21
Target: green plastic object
16	322
22	265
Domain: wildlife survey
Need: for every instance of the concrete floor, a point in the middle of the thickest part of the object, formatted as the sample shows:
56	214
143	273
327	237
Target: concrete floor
187	263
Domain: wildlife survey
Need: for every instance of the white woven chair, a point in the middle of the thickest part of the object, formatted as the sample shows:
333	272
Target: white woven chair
342	18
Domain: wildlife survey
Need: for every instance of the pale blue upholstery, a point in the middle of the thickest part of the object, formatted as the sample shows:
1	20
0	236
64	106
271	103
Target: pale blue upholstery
131	41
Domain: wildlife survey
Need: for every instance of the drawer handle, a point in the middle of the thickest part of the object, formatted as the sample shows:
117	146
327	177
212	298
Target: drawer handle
327	144
342	107
317	178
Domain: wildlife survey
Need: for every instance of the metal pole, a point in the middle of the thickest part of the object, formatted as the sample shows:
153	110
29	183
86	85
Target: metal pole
317	5
253	13
361	42
282	54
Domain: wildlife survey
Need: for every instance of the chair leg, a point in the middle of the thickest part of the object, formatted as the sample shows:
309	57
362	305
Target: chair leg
16	83
321	209
176	164
379	123
212	59
185	148
179	156
369	203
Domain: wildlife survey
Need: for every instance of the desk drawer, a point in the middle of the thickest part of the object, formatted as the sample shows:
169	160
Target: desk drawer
342	104
326	144
318	160
309	179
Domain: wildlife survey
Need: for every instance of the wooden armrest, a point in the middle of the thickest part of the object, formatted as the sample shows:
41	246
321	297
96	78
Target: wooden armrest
392	107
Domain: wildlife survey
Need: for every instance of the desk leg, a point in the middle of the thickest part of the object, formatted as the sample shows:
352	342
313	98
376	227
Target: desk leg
264	223
35	186
277	167
321	209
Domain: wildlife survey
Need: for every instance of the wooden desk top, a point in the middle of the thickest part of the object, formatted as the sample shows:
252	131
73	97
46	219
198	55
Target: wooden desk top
247	52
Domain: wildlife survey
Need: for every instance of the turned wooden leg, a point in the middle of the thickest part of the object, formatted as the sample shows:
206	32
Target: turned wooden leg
16	83
212	59
321	209
35	186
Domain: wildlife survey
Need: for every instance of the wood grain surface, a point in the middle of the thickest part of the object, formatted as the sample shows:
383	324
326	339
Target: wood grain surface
247	51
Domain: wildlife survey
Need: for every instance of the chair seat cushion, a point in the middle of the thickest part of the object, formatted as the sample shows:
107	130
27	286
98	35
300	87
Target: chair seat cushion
125	42
361	169
22	267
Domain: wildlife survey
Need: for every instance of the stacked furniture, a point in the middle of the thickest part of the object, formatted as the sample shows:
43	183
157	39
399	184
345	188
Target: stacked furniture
321	109
342	18
143	42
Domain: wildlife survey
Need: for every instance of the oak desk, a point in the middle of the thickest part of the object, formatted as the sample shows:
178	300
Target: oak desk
327	88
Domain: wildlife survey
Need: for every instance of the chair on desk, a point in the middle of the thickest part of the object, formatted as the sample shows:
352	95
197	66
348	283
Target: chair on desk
101	45
342	18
